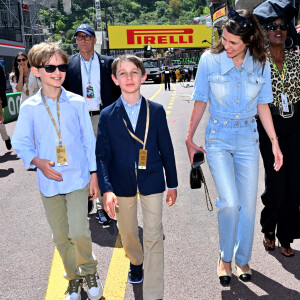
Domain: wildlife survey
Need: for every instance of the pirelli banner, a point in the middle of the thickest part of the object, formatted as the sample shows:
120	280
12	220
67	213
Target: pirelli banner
158	36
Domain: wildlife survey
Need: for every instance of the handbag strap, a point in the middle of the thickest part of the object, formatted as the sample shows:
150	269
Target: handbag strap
207	197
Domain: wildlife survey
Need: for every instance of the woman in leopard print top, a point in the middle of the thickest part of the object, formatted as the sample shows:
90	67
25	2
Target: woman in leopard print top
282	189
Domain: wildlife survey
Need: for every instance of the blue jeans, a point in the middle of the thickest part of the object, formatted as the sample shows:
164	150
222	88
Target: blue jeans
233	155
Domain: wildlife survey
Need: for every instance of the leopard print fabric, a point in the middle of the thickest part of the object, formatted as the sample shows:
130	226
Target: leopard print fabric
291	80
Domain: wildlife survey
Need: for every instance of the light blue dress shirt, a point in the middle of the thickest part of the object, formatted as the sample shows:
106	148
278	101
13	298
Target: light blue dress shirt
132	111
77	135
233	92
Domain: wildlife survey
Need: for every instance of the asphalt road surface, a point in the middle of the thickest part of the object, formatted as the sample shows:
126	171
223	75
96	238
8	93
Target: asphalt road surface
191	236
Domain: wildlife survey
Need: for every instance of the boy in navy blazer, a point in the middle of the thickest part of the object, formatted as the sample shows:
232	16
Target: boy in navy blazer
133	150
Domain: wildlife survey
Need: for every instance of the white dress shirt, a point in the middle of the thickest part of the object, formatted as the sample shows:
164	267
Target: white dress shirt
94	78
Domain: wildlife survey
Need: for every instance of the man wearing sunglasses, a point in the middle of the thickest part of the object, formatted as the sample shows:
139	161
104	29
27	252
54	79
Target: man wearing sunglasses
89	75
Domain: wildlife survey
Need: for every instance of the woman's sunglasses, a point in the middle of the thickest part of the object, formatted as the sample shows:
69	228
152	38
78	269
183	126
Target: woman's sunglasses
21	59
242	21
52	68
273	26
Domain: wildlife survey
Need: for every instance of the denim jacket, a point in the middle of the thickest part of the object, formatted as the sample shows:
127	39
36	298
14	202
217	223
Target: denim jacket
233	92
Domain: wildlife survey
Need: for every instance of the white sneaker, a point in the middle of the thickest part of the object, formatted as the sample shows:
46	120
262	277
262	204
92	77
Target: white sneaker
74	290
95	289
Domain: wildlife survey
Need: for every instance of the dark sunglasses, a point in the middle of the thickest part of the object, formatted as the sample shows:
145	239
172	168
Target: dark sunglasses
273	26
52	68
21	59
242	21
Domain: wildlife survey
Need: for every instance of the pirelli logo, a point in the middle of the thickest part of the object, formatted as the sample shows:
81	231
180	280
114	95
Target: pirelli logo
159	36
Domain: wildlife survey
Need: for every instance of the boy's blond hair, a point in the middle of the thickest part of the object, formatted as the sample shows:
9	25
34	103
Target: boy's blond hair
41	53
128	57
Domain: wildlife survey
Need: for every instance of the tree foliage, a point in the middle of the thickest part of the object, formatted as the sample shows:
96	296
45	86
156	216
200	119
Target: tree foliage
119	12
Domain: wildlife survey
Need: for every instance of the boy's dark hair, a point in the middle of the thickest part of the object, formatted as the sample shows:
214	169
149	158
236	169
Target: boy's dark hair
41	53
128	57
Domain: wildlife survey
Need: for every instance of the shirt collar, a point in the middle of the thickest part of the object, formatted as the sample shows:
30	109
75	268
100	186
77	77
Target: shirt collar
126	104
63	96
227	63
91	59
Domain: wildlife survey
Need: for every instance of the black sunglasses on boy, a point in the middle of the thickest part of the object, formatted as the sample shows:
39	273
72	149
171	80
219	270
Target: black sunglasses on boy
52	68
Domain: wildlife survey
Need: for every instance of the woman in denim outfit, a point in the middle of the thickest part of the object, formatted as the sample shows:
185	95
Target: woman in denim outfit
234	77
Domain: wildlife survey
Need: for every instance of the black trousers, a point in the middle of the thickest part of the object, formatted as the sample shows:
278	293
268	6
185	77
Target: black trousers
167	83
281	197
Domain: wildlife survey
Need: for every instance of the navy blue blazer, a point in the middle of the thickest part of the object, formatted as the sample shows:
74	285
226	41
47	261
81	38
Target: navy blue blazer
73	82
117	152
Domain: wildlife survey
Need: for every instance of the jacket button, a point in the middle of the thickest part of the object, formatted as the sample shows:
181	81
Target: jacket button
215	121
254	130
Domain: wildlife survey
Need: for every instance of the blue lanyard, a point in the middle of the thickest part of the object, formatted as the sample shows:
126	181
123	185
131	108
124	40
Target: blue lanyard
88	71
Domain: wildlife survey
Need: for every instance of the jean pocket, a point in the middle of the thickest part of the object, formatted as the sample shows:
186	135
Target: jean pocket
220	87
254	85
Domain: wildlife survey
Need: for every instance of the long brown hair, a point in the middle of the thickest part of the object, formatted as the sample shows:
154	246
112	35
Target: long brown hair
15	71
253	36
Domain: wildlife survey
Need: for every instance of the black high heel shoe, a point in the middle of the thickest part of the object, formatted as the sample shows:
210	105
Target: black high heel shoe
223	275
271	238
243	275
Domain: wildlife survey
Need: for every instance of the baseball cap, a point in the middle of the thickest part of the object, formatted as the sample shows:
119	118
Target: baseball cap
87	29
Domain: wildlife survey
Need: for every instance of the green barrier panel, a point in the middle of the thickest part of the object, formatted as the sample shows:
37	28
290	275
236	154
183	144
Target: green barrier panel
11	111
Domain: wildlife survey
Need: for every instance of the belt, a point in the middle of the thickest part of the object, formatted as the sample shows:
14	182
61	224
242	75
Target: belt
277	111
94	112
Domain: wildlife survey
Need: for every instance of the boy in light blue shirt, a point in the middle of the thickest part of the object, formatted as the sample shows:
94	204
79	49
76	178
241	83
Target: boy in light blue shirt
58	123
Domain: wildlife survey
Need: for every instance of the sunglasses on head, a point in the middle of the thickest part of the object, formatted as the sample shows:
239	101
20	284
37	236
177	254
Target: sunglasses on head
21	59
52	68
242	21
273	26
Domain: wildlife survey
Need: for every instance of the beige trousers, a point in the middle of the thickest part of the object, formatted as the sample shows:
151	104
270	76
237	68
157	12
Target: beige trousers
3	132
153	255
67	216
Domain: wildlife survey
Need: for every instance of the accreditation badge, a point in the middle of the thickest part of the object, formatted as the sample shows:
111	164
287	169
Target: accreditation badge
285	104
61	156
142	159
90	92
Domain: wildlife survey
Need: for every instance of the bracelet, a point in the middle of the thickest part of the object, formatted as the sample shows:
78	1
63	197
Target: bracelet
274	138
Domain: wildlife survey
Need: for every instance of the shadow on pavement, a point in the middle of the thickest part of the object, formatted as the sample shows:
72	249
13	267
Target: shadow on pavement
5	173
103	235
273	289
291	264
138	291
8	156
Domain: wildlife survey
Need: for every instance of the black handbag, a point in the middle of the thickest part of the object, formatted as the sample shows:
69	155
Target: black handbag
197	177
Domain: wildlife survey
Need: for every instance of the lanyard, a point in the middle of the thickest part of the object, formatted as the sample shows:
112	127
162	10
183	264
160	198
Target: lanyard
88	71
51	116
146	131
282	74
